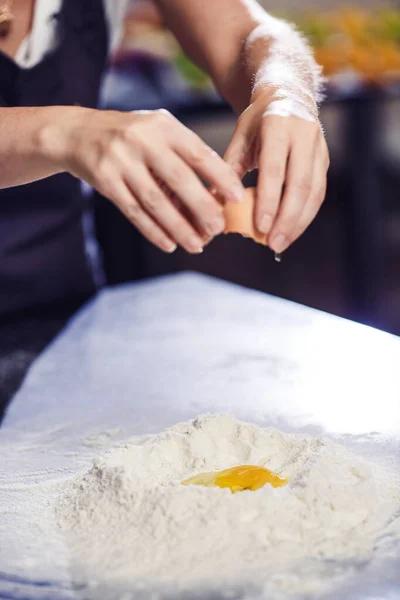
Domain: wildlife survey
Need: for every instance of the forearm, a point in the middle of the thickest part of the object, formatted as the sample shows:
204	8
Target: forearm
275	60
243	48
28	143
279	62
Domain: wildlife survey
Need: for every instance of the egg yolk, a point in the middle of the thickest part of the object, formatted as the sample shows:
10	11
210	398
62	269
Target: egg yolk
239	478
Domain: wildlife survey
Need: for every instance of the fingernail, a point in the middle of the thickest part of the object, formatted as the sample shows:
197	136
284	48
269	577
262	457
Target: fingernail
194	246
170	248
217	225
279	243
265	224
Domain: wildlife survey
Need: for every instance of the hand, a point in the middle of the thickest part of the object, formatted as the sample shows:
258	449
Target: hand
131	158
292	157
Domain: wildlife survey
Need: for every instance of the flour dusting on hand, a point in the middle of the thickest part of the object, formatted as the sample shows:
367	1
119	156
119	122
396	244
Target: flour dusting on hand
129	521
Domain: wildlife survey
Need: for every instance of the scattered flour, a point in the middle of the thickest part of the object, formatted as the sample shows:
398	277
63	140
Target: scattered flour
130	522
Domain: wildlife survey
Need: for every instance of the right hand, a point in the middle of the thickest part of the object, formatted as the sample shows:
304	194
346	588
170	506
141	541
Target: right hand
128	157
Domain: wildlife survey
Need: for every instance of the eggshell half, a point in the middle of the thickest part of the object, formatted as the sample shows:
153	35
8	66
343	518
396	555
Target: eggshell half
239	218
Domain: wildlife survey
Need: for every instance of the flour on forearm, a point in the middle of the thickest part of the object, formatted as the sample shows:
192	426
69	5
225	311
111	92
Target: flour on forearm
282	60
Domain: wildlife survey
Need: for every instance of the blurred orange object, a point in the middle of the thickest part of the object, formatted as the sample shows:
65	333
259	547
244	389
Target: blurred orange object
353	22
363	41
239	218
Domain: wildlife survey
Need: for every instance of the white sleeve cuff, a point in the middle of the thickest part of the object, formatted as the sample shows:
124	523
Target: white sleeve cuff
115	11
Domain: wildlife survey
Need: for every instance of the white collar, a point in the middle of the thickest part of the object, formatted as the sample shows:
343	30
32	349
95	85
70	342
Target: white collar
43	35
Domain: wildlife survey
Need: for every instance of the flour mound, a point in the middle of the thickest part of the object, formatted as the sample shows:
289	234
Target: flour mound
129	521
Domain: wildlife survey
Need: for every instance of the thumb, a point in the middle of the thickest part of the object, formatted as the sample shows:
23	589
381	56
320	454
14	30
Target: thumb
236	154
239	154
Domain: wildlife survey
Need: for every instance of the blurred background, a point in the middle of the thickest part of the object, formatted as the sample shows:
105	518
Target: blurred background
348	263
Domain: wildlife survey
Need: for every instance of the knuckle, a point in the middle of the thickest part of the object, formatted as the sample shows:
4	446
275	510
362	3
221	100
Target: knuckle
163	117
242	120
302	185
268	120
106	186
106	153
287	223
212	222
152	198
324	153
175	177
315	129
274	170
232	173
327	161
127	132
321	194
313	141
101	163
164	113
133	212
133	136
113	147
102	175
111	142
101	169
198	156
273	122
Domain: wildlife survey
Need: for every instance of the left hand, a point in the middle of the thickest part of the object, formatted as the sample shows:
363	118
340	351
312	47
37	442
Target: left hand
292	157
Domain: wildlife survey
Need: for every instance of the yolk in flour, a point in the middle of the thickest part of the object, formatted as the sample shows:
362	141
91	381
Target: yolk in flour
239	478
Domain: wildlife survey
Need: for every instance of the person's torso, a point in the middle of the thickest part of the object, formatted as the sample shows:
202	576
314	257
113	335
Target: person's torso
42	250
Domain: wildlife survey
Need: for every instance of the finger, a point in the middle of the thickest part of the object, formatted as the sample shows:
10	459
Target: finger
127	203
316	199
206	211
298	188
272	170
239	153
156	204
235	154
211	167
206	238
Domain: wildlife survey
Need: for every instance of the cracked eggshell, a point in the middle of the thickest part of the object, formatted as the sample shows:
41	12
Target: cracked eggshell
239	218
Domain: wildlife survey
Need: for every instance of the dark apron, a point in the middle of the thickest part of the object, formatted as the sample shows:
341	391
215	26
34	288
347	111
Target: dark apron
42	250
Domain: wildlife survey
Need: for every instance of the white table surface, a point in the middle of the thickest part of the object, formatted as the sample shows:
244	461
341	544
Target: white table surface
142	357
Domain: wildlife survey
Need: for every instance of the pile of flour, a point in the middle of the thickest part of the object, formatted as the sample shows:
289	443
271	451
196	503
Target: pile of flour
130	522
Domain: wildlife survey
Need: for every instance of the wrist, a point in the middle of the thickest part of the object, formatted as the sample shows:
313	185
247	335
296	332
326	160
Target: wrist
282	101
55	133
